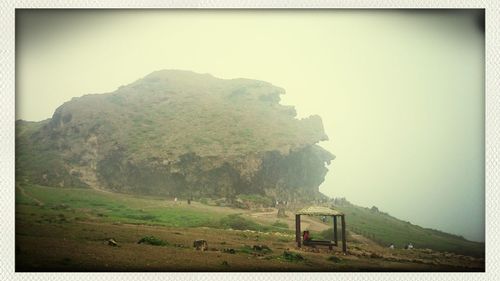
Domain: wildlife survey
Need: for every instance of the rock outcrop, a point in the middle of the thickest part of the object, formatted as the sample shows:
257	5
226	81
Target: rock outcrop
178	133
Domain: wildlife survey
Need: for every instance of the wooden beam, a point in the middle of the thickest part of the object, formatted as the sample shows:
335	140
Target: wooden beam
344	244
335	237
297	231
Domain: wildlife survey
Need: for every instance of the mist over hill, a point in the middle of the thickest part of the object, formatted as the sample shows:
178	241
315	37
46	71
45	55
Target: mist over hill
178	133
183	134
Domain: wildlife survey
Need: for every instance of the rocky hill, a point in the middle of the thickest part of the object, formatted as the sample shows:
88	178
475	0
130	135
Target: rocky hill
177	133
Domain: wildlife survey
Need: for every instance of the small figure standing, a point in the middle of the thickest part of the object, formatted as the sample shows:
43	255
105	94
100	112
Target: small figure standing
306	236
175	199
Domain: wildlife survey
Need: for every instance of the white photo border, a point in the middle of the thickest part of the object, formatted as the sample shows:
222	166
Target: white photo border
492	136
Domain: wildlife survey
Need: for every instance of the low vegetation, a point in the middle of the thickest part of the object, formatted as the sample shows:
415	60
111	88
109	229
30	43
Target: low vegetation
291	256
151	240
63	205
385	230
77	203
173	133
69	229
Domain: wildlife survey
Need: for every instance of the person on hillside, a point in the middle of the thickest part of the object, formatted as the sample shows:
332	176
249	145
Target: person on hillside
306	236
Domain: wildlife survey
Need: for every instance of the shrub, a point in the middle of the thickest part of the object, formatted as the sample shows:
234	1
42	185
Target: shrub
151	240
290	256
255	249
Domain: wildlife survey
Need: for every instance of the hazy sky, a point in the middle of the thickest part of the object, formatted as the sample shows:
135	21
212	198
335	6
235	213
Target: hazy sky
401	94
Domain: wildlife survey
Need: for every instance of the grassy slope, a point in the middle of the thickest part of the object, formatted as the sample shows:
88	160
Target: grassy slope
61	204
86	204
386	229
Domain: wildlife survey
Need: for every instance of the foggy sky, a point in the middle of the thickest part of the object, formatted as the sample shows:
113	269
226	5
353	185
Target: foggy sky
401	94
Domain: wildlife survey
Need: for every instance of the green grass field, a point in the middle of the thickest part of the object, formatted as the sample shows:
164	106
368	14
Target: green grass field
67	204
79	203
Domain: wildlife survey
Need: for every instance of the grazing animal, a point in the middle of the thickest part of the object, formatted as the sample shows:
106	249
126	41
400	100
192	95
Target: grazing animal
200	245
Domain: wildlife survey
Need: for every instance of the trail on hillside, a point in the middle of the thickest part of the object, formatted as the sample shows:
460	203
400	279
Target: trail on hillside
24	193
311	224
306	222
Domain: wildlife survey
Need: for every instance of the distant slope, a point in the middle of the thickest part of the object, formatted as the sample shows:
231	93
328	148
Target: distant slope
385	229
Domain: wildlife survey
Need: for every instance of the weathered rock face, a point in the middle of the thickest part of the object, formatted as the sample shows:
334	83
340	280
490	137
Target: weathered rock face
178	133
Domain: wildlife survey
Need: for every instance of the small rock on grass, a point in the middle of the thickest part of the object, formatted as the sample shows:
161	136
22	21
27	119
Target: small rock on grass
112	242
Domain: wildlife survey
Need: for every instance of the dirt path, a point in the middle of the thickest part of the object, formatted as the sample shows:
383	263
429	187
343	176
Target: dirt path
310	223
23	192
306	222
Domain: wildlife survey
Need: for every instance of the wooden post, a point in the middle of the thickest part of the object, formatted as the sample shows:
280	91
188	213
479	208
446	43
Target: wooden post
335	238
344	244
297	230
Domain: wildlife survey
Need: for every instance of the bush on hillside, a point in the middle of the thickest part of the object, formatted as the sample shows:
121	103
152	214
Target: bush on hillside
151	240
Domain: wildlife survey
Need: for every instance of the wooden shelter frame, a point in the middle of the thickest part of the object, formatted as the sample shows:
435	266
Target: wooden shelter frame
321	211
